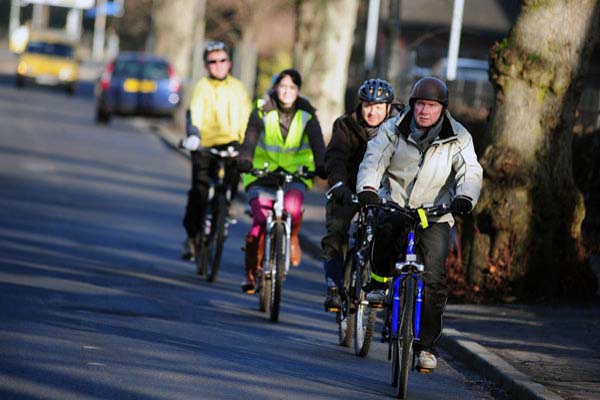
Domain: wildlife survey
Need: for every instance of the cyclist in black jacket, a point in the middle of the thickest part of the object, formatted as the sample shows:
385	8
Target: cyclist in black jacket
345	151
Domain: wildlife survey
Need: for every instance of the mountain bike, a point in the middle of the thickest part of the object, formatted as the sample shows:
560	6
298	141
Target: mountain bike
276	261
214	231
356	319
405	295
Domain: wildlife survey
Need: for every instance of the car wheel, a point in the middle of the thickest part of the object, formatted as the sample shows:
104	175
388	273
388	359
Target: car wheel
71	89
102	117
20	82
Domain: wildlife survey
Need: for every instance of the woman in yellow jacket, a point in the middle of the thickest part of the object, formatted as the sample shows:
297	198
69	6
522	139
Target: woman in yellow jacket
285	132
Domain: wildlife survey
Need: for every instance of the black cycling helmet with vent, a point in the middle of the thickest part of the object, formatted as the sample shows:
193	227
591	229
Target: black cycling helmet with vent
214	45
429	88
375	91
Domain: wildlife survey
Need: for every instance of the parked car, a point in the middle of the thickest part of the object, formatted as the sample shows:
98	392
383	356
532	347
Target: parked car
137	84
49	59
467	69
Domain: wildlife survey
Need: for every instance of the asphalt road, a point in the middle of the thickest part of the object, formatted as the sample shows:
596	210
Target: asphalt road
95	303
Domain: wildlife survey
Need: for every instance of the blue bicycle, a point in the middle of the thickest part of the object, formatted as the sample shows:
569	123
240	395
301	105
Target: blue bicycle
405	295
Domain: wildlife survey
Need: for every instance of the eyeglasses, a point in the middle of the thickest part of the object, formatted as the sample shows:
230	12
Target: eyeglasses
217	61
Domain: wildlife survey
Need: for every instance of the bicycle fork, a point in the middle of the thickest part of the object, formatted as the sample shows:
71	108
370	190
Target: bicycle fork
272	268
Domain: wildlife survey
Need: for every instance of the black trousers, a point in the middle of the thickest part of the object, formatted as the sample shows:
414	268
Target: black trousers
204	169
337	222
431	248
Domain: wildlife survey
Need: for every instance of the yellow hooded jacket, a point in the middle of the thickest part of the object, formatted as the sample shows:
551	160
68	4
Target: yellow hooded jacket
220	110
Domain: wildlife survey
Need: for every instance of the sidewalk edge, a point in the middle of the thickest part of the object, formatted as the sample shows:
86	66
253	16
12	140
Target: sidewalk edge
519	385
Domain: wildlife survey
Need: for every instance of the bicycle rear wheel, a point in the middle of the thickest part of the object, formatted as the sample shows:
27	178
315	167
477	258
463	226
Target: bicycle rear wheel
406	335
346	317
217	239
365	315
279	262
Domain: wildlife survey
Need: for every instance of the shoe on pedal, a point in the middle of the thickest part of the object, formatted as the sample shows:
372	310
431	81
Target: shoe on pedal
189	250
333	302
248	287
376	296
249	282
426	362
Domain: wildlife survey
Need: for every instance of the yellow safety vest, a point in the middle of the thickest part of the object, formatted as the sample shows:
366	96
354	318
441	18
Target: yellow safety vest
288	154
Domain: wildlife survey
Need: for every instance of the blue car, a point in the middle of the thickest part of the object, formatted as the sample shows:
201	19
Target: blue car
137	84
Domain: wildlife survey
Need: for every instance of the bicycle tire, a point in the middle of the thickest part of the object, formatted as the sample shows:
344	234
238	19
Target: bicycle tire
202	243
217	238
277	280
395	347
265	291
365	316
199	245
406	331
346	317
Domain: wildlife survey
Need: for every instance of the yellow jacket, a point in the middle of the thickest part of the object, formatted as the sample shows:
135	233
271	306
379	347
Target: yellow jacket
220	110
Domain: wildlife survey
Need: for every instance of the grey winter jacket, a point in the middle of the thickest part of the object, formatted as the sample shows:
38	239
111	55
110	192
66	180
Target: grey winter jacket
395	165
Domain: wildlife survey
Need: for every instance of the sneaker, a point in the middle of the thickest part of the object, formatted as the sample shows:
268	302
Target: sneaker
333	302
376	296
189	250
426	361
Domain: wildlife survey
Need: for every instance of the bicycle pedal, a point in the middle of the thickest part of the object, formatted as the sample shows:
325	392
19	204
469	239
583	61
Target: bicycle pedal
376	306
333	309
424	370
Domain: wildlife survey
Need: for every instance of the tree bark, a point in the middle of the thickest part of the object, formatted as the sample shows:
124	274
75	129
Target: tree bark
174	26
526	236
324	38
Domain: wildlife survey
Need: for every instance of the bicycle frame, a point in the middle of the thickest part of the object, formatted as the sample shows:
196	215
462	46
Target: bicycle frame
277	215
408	269
217	183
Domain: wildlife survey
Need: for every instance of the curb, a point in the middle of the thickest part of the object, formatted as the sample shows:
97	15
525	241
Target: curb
518	385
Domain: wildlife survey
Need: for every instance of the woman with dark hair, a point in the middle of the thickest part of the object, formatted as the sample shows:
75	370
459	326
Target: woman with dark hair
285	132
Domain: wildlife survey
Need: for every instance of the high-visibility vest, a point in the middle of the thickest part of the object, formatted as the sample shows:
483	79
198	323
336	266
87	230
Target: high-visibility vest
288	154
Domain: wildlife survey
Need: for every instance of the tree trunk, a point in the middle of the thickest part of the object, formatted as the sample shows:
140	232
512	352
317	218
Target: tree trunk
174	26
526	239
324	37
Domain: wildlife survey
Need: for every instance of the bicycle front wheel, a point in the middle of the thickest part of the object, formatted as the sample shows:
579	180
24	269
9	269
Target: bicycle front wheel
217	240
406	335
346	317
278	274
365	315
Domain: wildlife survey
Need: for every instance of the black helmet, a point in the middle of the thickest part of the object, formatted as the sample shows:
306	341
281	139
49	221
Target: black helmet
429	88
214	45
376	91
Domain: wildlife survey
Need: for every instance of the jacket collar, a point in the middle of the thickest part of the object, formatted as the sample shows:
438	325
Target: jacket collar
403	125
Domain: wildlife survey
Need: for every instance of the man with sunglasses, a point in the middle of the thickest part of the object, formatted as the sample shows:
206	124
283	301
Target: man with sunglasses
218	115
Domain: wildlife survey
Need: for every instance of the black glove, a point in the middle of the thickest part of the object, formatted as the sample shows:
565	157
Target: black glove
461	205
243	165
342	195
367	197
320	172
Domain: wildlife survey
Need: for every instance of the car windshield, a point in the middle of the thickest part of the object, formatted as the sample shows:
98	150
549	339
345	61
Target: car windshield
51	49
154	70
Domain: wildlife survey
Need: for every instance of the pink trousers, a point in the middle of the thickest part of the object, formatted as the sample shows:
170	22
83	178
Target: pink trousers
292	204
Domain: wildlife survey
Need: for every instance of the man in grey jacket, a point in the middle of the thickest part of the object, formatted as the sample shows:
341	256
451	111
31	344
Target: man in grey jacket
421	157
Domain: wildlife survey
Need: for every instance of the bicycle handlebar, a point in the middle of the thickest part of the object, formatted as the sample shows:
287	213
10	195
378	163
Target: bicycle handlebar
282	174
419	214
230	152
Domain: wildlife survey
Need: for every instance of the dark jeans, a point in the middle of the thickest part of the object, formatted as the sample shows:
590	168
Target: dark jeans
334	243
203	168
432	249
